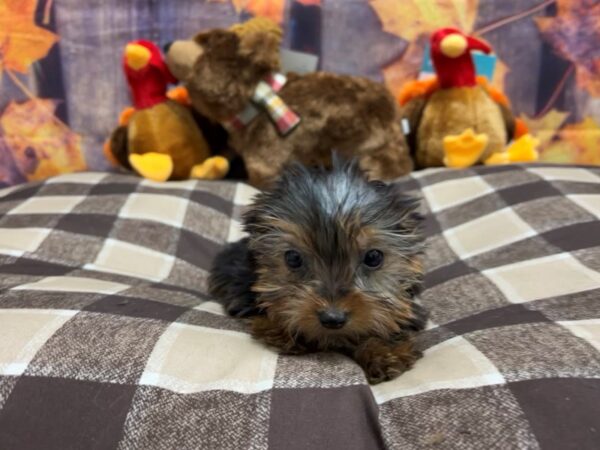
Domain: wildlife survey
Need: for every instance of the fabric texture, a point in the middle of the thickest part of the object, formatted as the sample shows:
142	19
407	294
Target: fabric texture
108	339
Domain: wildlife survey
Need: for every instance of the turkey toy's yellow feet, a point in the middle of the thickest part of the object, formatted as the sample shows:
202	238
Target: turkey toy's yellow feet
213	168
153	166
497	159
522	150
465	149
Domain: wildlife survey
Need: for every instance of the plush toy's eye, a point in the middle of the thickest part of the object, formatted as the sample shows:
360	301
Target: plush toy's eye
373	259
293	259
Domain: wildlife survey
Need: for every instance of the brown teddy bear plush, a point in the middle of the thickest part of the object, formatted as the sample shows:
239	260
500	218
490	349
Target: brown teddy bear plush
233	78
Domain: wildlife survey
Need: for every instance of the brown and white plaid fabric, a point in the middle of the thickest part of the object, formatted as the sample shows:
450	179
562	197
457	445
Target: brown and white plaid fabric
265	99
108	340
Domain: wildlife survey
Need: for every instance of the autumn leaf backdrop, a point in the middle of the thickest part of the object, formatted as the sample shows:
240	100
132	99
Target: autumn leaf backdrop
61	86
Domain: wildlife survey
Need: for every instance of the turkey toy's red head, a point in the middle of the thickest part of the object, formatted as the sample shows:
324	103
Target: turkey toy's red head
451	56
147	74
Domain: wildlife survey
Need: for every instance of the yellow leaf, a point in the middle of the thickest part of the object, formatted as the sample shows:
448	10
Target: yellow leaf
41	146
21	41
578	143
500	74
409	19
546	127
559	153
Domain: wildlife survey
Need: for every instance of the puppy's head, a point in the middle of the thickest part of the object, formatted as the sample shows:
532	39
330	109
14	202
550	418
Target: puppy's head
337	255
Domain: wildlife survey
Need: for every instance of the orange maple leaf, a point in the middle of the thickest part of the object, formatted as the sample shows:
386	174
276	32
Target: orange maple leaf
272	9
577	143
21	41
41	145
574	34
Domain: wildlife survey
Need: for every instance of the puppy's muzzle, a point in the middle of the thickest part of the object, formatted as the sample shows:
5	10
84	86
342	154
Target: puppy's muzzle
333	318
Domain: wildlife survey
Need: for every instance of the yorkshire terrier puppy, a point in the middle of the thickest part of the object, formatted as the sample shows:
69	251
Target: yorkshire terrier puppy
331	262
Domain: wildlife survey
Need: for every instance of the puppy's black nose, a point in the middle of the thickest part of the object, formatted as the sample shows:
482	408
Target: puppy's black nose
166	47
333	318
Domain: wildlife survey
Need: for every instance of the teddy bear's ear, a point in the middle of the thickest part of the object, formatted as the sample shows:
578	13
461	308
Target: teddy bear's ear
262	49
218	42
181	57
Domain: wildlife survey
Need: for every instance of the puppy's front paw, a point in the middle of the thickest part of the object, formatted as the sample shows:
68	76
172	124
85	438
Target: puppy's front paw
383	361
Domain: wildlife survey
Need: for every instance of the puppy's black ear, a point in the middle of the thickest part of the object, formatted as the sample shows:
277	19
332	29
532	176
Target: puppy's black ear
251	220
405	207
231	279
412	224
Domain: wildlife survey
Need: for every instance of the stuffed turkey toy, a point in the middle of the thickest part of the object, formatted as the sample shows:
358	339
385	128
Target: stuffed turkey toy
158	137
456	119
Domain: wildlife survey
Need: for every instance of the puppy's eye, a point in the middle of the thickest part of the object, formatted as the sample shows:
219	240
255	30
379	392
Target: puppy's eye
293	259
373	259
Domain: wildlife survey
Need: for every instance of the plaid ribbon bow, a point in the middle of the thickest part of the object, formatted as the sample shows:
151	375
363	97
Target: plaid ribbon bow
265	98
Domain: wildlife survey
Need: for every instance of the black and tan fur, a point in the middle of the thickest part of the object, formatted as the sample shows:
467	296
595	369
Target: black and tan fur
331	219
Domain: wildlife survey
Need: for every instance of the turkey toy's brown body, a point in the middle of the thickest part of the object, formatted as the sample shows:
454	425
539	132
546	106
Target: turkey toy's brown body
180	137
451	112
159	139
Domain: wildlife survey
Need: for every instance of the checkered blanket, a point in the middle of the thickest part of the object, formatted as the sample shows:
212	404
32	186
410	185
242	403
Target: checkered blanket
108	340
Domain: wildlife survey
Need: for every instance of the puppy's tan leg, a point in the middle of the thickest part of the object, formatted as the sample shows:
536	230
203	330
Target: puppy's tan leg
383	360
